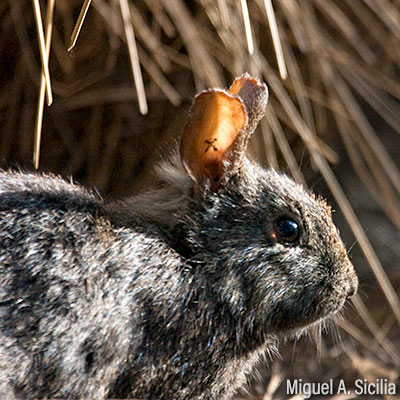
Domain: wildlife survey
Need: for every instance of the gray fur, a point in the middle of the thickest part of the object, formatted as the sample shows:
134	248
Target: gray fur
167	295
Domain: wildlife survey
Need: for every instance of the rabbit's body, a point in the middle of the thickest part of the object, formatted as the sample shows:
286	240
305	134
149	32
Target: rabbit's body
174	294
90	308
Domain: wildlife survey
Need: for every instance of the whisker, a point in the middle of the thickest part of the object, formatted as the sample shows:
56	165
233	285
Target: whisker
352	246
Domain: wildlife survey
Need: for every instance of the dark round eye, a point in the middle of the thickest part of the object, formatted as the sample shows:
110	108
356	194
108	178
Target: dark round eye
287	231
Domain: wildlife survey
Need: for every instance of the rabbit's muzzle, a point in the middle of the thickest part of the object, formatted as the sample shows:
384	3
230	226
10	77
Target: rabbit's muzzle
352	281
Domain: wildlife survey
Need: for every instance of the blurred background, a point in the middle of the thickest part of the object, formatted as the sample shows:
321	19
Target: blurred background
120	99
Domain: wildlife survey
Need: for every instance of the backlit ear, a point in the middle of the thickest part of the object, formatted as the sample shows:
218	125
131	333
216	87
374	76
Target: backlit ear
219	124
215	121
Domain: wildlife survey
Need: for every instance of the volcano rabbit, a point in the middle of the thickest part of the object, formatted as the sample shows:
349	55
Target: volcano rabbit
173	294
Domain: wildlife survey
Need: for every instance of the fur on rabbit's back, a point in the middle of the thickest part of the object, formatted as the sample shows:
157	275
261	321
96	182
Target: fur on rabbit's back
70	282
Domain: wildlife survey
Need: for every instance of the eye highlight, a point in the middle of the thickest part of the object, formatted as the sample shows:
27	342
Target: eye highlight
287	231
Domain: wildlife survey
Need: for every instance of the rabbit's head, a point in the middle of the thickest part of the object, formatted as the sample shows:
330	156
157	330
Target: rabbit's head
277	256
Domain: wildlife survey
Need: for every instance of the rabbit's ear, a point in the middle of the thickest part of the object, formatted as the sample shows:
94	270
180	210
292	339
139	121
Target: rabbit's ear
219	125
215	121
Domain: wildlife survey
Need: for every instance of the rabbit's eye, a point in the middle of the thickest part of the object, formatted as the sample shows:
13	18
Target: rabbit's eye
287	231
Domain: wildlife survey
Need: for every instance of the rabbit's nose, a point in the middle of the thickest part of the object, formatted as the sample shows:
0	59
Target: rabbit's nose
352	291
353	284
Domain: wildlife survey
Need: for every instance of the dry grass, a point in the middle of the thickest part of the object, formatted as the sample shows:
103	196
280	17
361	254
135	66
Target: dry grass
341	59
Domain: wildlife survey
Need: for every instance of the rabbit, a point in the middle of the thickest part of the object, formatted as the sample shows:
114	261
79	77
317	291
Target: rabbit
175	293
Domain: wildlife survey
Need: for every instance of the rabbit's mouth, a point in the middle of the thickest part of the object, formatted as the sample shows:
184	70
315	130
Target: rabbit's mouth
313	328
327	324
321	308
328	301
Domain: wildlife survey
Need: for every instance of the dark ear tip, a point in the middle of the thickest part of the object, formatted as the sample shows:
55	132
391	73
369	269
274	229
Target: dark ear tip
253	94
251	83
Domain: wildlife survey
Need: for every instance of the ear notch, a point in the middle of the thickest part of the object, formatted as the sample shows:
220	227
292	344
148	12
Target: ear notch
219	125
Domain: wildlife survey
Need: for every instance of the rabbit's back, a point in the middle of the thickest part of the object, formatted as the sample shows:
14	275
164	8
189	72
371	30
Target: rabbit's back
66	323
